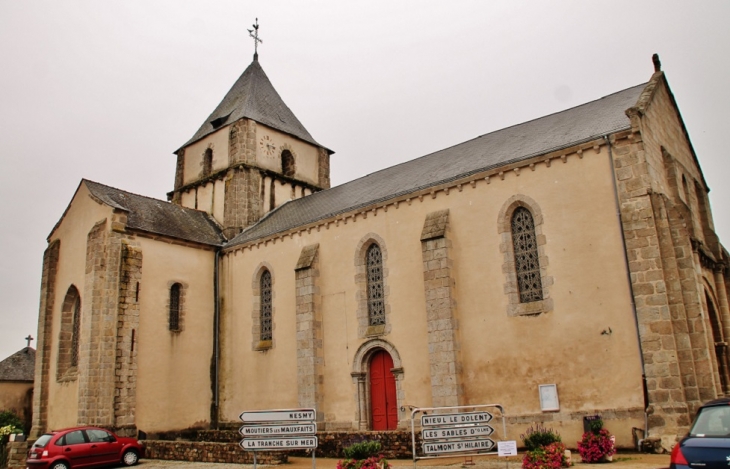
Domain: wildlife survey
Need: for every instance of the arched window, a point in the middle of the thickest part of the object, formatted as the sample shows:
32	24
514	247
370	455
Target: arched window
174	318
207	162
76	332
69	336
265	311
376	305
527	264
288	165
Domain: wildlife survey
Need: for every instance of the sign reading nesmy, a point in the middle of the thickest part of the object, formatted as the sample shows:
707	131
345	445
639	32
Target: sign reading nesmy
456	432
455	419
291	415
274	444
278	430
458	446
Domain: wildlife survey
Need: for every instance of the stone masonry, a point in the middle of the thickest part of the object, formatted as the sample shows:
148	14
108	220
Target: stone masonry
310	360
43	353
443	350
127	327
665	273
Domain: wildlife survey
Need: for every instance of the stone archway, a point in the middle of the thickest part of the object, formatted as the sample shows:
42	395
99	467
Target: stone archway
361	368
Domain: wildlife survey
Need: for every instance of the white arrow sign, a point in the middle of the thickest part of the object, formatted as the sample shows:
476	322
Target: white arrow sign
284	415
277	444
458	446
456	432
455	419
278	430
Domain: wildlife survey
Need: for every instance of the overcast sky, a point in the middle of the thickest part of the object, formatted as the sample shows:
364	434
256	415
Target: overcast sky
107	90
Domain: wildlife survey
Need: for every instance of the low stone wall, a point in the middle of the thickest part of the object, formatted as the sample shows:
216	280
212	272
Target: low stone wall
199	451
17	451
396	444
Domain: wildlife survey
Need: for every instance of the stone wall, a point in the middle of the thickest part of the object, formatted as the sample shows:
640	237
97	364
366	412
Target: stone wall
198	451
17	451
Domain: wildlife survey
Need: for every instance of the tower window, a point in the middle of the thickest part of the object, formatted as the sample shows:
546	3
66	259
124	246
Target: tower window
288	165
207	162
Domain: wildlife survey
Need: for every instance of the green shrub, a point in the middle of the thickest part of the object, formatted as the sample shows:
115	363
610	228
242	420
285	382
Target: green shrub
9	418
362	450
539	437
595	426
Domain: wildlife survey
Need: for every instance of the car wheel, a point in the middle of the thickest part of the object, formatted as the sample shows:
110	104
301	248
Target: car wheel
60	465
129	458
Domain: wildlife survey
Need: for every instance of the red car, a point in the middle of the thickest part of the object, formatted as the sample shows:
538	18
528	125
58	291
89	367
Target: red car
78	447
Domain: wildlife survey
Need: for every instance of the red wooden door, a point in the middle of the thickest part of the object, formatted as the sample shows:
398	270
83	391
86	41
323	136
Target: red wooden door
382	392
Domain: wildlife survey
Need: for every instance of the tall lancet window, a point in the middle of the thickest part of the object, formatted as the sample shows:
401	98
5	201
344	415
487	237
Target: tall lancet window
527	264
174	318
376	305
266	306
76	331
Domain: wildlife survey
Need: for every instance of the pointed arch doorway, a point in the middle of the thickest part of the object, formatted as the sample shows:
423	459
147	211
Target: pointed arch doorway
383	400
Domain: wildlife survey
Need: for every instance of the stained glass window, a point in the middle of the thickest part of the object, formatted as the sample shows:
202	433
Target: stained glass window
376	305
266	305
527	263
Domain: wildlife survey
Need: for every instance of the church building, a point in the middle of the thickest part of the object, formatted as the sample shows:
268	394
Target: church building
574	254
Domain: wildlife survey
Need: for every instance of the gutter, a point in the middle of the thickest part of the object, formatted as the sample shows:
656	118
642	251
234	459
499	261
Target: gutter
215	366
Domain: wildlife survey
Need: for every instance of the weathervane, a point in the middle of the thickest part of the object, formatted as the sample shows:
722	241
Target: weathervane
254	33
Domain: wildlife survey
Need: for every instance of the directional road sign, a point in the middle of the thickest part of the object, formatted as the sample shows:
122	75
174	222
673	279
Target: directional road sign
286	415
458	433
278	430
278	444
455	419
458	446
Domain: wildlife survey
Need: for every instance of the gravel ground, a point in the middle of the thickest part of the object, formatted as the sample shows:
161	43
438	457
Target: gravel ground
621	461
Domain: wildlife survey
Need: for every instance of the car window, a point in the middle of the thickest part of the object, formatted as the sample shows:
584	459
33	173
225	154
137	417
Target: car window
712	421
42	441
96	436
75	437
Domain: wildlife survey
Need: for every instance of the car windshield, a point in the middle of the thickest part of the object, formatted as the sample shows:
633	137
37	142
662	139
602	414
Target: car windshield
42	441
712	421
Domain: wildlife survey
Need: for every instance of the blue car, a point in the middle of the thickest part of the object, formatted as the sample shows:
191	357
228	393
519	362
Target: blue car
707	445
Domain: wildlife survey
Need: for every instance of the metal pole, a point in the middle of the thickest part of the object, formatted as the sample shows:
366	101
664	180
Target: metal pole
314	461
254	460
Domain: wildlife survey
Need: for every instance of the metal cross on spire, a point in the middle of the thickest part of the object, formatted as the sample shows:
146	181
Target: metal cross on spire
254	33
29	339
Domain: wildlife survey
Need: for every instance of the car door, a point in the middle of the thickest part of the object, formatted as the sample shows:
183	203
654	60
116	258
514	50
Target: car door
104	447
78	451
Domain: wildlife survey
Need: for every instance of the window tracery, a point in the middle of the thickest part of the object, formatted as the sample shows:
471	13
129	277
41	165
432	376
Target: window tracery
527	262
265	312
376	305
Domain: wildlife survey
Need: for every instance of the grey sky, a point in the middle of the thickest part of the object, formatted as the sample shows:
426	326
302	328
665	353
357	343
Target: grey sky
108	90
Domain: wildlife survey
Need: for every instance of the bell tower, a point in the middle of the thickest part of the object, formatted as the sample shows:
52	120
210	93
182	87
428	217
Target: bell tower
250	156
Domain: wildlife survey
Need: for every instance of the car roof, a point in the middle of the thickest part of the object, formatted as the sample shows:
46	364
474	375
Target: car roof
717	402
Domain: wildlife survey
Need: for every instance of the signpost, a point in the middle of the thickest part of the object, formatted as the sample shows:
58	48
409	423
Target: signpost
449	431
279	430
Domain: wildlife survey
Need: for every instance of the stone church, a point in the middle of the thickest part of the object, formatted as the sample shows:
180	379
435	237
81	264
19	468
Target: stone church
574	254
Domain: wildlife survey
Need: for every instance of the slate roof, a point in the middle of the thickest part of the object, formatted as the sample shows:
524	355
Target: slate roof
19	366
512	144
159	217
254	97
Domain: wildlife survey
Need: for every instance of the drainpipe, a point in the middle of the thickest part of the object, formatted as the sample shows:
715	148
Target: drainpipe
216	340
631	290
